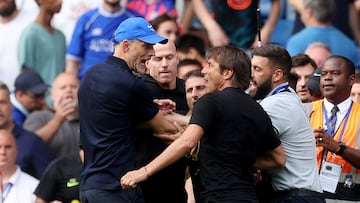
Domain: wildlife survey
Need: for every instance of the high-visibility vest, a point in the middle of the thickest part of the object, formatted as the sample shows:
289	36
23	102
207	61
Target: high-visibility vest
350	137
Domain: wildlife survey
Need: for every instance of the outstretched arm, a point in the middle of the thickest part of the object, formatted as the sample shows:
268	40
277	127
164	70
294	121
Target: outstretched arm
217	36
178	149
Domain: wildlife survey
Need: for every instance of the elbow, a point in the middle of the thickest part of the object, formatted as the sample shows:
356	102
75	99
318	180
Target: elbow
189	145
281	161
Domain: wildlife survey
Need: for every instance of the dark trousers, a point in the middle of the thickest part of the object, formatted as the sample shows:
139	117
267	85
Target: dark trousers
298	196
111	196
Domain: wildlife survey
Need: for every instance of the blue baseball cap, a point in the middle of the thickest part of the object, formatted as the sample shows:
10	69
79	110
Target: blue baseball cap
137	28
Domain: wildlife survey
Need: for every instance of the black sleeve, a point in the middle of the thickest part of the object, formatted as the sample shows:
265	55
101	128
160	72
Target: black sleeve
46	188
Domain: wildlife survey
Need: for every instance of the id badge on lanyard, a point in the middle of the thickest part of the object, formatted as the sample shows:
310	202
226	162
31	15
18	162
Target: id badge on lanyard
329	176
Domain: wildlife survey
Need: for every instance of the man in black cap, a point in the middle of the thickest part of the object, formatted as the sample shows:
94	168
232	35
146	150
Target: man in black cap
29	95
313	84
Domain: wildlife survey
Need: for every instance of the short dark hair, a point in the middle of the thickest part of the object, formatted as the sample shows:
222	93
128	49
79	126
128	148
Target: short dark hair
349	65
3	86
156	22
277	55
187	41
302	60
193	73
186	62
235	59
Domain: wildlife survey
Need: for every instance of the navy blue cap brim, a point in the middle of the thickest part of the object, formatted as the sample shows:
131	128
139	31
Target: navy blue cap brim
39	89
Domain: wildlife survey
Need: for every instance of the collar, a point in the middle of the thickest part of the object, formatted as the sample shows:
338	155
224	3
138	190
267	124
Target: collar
18	105
108	14
273	91
14	178
343	106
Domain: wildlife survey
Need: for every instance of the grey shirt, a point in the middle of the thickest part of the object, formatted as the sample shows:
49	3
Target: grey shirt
296	135
66	139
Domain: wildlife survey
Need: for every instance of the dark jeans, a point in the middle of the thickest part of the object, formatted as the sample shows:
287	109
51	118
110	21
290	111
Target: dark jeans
111	196
298	196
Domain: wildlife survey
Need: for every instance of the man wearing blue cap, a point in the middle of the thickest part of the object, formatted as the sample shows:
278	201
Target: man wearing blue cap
29	95
112	102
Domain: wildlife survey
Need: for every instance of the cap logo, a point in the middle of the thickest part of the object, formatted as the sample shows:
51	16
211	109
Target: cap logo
151	27
316	74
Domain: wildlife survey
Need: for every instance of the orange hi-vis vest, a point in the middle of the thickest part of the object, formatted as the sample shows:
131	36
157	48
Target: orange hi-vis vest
350	137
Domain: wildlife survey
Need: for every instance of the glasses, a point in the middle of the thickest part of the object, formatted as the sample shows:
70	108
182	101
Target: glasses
35	96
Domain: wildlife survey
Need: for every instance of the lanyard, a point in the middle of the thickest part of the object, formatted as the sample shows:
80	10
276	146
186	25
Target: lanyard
7	189
344	125
280	88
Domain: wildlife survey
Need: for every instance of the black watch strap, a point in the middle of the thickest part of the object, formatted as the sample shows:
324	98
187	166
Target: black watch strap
342	148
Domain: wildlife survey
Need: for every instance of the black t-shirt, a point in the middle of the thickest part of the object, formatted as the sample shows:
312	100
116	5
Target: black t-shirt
168	184
236	131
61	180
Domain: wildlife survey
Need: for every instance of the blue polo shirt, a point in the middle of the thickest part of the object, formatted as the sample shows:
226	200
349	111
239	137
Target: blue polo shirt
91	40
112	101
33	154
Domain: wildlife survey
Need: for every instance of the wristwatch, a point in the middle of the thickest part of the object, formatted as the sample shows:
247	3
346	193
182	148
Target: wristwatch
342	148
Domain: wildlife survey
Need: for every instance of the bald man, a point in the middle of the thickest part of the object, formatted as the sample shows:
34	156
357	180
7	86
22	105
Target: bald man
59	127
18	185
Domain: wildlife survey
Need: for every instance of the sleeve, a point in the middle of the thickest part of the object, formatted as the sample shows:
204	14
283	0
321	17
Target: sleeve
34	121
204	111
26	47
141	103
76	47
270	140
275	109
46	188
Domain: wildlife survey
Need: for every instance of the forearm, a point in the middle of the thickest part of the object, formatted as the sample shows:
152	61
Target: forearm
178	149
72	67
272	20
48	131
187	16
352	156
297	4
203	14
178	118
273	159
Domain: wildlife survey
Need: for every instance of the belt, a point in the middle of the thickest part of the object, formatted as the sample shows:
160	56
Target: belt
299	192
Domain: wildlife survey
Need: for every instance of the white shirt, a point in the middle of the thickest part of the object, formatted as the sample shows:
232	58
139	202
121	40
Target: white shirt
23	186
9	37
340	115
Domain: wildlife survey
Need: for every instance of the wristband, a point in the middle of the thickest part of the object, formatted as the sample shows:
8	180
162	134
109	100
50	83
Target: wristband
342	148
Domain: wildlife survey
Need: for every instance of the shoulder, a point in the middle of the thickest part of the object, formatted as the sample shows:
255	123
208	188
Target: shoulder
42	114
87	15
27	179
25	136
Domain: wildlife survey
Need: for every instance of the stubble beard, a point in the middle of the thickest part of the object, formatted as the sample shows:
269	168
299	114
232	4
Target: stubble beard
8	10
